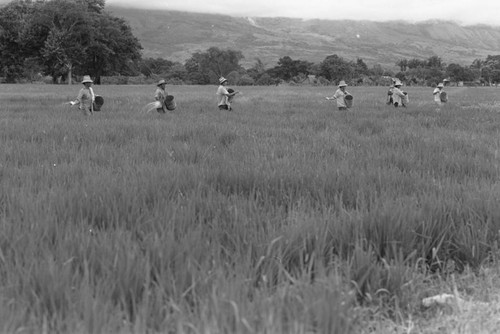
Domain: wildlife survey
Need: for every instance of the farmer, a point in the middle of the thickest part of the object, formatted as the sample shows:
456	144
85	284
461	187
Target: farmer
340	95
161	95
398	96
224	97
390	101
86	97
439	95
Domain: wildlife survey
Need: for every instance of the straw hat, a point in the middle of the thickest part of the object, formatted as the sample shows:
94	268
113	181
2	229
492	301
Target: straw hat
222	80
342	83
161	82
398	83
86	78
440	85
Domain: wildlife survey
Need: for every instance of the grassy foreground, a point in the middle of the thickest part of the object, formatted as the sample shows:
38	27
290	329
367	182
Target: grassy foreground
284	216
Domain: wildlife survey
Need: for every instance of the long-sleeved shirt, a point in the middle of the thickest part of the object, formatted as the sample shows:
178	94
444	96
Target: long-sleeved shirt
85	98
339	96
222	96
160	95
397	96
437	95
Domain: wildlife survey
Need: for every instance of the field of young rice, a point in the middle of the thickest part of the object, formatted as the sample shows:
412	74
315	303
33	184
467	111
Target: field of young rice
283	216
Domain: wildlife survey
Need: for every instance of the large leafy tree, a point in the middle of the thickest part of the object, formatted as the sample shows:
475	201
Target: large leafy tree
69	29
207	67
14	46
336	68
288	68
67	37
112	48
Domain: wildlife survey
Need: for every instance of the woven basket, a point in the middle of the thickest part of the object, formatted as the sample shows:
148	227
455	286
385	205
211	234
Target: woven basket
443	97
170	103
98	102
348	100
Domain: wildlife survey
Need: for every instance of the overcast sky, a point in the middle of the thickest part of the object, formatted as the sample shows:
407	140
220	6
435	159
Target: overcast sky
462	11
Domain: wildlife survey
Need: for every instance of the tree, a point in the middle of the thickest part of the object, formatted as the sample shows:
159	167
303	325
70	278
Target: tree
435	62
66	37
246	80
490	70
96	6
361	69
195	73
257	69
288	68
403	64
336	68
112	49
207	67
69	30
14	18
457	72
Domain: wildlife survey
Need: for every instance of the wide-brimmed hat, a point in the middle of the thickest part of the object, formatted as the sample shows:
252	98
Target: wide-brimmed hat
161	82
222	80
342	83
86	78
440	85
398	83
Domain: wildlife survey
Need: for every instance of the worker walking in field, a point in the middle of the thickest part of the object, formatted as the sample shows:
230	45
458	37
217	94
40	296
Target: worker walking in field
399	98
440	95
86	97
161	96
342	97
224	96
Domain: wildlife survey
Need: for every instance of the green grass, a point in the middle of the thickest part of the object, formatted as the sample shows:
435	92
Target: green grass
285	216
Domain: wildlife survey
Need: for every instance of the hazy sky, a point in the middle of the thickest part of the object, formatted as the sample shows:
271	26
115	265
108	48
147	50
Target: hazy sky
463	11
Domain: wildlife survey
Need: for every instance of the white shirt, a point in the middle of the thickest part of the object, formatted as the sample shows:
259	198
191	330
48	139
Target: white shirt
222	96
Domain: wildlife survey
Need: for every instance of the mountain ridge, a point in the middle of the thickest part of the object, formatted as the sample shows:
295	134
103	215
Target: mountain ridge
176	35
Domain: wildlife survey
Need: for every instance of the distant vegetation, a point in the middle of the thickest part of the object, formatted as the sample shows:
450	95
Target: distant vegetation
60	41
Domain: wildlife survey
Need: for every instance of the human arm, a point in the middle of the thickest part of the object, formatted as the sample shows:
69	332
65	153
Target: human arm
79	98
160	95
398	92
335	96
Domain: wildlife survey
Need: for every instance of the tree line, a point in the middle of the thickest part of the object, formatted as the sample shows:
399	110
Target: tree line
65	39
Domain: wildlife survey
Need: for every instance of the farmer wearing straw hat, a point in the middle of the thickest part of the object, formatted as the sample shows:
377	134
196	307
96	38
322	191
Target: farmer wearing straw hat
86	97
398	96
340	95
224	97
161	96
440	96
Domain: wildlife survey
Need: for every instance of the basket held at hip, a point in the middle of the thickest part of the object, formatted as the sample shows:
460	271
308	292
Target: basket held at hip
348	100
443	97
170	103
98	103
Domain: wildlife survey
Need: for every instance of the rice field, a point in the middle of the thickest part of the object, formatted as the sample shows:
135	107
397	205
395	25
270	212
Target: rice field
283	216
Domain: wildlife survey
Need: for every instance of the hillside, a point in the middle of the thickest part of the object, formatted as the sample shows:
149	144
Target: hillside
176	35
